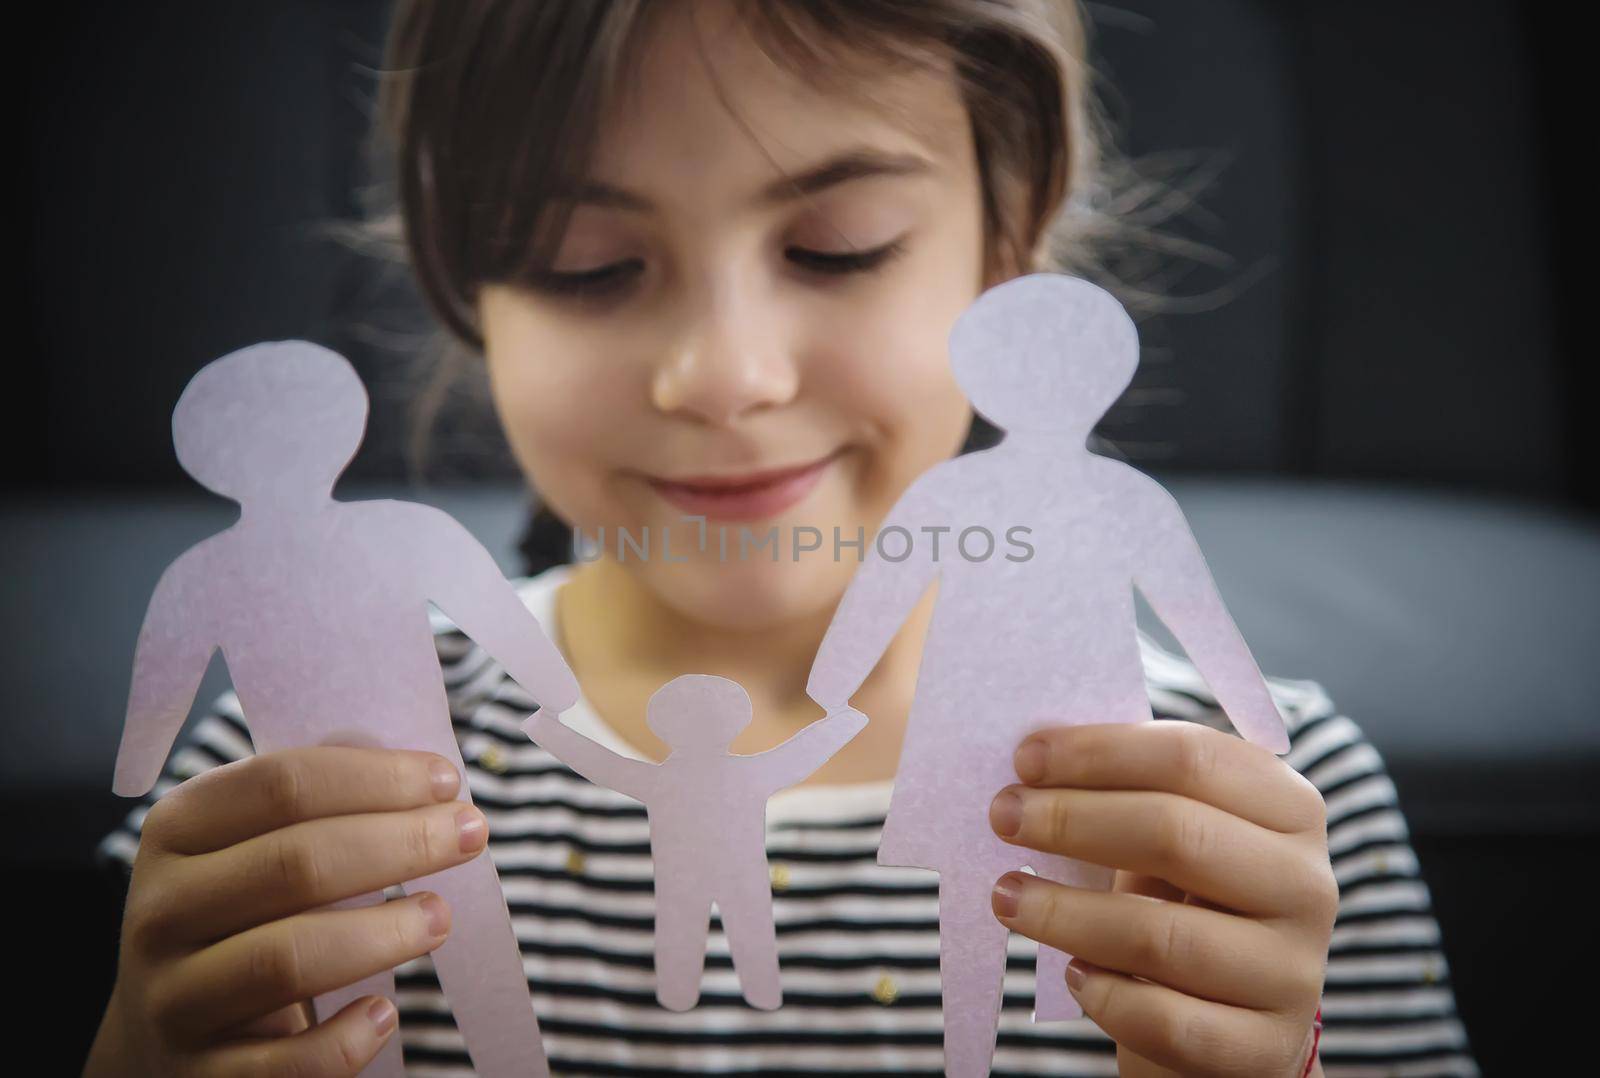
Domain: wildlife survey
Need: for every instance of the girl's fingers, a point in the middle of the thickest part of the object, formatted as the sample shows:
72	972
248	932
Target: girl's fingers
284	1022
1192	845
1131	883
1183	758
249	797
311	864
1216	956
337	1048
267	968
1184	1034
1131	1065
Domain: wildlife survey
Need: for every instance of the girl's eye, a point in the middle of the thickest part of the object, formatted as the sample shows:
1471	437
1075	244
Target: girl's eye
607	280
596	282
842	262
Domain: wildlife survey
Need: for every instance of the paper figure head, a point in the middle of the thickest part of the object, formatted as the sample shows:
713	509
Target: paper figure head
279	419
698	711
1044	352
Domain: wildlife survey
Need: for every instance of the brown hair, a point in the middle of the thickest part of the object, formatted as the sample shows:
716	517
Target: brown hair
488	106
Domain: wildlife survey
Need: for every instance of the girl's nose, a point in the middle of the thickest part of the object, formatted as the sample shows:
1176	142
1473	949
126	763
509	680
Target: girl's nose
724	367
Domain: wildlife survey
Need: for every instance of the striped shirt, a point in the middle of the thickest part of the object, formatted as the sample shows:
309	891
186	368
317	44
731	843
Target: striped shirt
858	942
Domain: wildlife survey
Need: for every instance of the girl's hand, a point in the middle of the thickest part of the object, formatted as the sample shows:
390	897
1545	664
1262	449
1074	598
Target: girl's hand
226	935
1207	957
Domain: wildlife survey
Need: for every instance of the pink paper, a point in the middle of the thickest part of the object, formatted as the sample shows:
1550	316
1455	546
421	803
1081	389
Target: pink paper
1020	641
320	608
707	811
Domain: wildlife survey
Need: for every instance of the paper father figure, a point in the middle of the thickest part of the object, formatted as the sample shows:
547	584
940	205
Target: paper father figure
320	609
1036	634
707	811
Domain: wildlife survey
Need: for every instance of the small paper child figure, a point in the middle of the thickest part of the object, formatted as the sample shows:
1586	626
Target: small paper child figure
320	609
1042	543
707	810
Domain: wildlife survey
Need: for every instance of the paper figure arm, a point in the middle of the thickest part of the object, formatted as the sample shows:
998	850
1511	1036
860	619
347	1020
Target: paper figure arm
593	761
792	761
175	645
468	586
1173	576
877	602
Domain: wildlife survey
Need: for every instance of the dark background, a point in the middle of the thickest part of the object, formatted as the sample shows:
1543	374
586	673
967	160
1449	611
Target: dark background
1392	199
1398	319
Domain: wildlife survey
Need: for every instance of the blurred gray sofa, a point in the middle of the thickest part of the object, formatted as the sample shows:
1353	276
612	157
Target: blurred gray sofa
1456	630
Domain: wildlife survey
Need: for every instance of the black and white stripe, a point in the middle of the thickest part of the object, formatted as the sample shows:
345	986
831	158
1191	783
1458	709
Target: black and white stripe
858	941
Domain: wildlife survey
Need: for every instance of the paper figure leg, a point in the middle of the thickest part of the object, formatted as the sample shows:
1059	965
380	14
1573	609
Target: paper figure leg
480	969
972	967
1052	1002
388	1063
746	908
683	920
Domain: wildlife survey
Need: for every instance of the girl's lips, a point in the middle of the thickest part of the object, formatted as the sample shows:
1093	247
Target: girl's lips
752	496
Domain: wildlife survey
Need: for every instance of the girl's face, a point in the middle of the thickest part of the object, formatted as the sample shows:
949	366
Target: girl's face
705	322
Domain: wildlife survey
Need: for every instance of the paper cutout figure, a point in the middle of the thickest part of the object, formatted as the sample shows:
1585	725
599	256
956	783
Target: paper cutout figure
1039	633
320	609
707	810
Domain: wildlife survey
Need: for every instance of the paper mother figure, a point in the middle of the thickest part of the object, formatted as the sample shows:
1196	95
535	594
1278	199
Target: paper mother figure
707	811
320	609
1034	619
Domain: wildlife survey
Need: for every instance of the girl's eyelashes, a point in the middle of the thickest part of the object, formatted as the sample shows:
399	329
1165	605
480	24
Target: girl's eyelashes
838	263
597	282
614	278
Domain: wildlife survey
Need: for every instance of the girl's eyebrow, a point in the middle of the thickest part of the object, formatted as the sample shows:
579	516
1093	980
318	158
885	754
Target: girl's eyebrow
854	164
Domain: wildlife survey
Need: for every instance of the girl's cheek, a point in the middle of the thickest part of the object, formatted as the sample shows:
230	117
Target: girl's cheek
552	397
889	361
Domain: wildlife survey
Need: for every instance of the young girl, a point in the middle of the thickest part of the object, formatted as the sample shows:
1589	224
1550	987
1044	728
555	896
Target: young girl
711	253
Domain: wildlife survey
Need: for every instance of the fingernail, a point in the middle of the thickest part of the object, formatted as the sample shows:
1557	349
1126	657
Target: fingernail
444	778
1007	895
437	914
1005	814
473	829
1032	757
1076	975
382	1015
